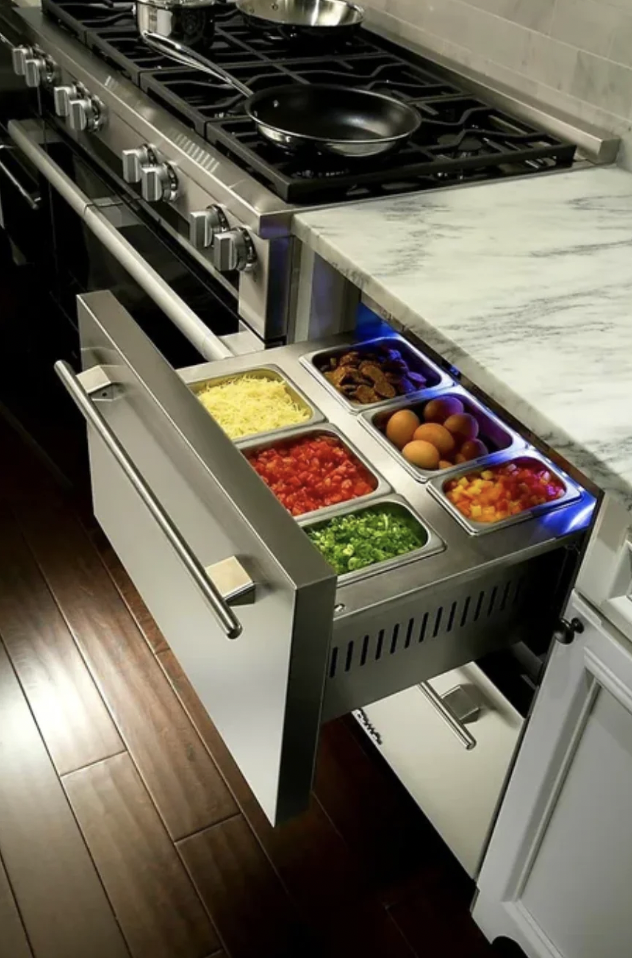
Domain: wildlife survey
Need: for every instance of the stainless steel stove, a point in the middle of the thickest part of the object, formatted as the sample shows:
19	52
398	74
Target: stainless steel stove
461	137
179	148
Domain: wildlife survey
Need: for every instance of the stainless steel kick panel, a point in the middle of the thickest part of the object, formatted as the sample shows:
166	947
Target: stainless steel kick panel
492	429
257	444
263	690
390	647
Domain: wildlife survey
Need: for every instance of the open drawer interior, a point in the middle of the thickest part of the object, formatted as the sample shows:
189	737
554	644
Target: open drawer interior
177	498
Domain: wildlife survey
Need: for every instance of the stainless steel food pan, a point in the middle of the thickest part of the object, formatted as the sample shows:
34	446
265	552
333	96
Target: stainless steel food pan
413	356
254	445
432	546
493	432
266	372
572	493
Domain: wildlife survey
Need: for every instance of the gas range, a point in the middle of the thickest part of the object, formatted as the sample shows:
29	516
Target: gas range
461	137
180	145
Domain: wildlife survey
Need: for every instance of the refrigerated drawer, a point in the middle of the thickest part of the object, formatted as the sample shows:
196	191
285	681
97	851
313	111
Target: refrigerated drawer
183	508
451	746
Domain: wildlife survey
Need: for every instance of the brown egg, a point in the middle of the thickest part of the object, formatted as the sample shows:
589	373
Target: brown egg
401	427
462	426
422	454
438	410
445	464
437	435
472	449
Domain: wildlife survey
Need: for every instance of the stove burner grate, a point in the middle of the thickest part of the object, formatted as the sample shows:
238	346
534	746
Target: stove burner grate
460	139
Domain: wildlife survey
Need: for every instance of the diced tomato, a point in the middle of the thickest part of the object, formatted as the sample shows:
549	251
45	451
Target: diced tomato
308	474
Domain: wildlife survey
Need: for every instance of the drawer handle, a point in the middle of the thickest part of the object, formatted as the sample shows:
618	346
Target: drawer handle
454	723
226	618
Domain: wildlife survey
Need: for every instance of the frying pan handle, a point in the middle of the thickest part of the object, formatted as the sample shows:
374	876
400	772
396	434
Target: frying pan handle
181	53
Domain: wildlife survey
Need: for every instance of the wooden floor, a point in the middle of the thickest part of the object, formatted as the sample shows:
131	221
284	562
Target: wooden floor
125	827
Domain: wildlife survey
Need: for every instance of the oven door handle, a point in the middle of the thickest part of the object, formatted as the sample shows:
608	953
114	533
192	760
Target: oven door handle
226	618
34	202
25	136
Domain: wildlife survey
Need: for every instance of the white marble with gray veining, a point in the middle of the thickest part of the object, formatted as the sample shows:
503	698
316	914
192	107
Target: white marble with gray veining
525	285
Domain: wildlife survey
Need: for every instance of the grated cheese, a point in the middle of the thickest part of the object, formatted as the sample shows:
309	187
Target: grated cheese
250	404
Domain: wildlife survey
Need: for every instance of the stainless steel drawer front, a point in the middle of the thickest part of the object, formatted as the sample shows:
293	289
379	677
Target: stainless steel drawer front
264	689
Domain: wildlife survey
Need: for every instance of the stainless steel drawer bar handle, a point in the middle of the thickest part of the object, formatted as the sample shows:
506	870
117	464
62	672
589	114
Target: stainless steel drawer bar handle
226	618
454	723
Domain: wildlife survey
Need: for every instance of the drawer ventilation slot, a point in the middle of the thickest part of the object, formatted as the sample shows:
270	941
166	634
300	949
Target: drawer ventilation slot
491	603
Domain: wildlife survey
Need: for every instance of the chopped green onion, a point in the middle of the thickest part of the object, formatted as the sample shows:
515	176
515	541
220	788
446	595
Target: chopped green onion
362	538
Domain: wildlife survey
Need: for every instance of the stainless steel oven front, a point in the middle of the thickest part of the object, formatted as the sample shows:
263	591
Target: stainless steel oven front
97	236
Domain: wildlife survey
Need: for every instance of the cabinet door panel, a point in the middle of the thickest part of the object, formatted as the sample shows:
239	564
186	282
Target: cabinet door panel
558	871
578	889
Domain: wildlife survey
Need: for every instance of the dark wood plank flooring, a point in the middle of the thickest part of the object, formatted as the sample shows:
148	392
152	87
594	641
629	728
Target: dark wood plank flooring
150	891
126	830
13	934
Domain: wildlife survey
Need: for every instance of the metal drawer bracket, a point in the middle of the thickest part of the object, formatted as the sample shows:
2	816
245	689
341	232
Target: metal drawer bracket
461	704
232	581
99	382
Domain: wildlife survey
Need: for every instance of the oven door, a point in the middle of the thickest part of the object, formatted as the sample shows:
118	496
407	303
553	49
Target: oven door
104	239
22	210
244	599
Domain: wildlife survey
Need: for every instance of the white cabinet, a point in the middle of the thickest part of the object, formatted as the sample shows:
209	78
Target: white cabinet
557	877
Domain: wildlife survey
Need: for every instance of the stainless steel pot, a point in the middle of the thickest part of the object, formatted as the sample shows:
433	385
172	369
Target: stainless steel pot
303	20
191	22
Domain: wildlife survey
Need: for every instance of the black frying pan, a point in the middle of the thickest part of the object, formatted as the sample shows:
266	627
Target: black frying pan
332	119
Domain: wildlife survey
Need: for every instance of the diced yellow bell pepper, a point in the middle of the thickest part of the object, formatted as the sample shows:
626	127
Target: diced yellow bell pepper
476	512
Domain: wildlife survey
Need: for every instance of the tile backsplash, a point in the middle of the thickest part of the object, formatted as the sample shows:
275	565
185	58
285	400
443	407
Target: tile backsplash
574	55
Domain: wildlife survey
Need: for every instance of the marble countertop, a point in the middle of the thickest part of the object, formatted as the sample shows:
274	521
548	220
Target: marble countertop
524	285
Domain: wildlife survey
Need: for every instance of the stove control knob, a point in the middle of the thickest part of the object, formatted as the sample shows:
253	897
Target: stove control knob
234	250
158	181
204	225
36	69
18	59
62	95
86	113
133	162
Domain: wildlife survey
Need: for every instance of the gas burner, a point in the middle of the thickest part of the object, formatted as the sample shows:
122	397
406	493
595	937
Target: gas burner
460	139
